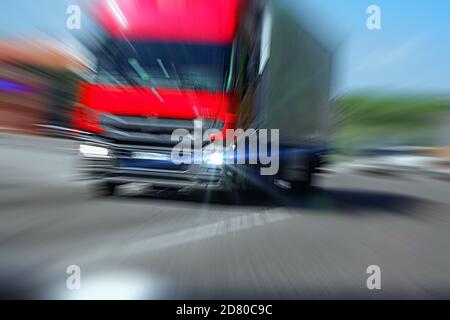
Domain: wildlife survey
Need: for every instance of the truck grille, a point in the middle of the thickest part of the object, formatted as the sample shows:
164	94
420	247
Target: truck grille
148	131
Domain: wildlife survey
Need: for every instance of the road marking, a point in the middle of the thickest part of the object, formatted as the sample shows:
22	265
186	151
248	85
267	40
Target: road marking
208	231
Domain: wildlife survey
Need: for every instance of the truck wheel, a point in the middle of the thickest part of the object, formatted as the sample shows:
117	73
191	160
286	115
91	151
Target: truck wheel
104	189
305	185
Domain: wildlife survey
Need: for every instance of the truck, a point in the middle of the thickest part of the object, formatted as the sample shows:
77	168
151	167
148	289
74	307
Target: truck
213	65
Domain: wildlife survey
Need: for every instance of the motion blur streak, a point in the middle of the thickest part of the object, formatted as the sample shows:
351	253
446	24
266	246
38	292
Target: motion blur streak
364	117
119	285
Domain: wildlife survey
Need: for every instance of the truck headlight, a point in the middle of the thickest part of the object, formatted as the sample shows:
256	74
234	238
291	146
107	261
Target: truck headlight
214	158
91	151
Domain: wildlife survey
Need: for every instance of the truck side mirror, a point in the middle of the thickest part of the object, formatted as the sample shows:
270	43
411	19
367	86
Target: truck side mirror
265	40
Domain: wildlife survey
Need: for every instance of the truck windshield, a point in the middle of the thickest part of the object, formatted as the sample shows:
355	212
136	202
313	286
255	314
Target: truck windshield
164	65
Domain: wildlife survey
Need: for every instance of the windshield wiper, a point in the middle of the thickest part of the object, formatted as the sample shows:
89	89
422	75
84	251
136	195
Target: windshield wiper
163	68
134	63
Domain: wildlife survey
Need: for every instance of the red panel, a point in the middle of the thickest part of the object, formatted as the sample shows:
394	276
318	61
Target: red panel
162	103
212	21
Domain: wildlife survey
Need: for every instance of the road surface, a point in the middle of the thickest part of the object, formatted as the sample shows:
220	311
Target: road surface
199	246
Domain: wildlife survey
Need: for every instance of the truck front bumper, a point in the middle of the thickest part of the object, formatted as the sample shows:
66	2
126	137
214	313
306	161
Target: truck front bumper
117	166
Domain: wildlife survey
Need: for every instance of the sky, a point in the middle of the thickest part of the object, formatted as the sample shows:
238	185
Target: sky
409	54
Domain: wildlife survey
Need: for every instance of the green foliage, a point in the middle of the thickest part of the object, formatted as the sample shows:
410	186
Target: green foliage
371	120
380	111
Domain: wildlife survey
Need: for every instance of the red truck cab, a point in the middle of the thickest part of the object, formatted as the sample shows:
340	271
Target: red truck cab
162	65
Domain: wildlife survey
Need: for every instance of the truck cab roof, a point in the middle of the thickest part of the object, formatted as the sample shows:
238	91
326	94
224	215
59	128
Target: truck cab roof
170	20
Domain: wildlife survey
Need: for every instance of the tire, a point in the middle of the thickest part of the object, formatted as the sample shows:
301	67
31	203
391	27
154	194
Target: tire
301	187
254	188
104	189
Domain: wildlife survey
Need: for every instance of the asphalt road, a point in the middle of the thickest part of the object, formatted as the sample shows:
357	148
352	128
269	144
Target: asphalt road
161	246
